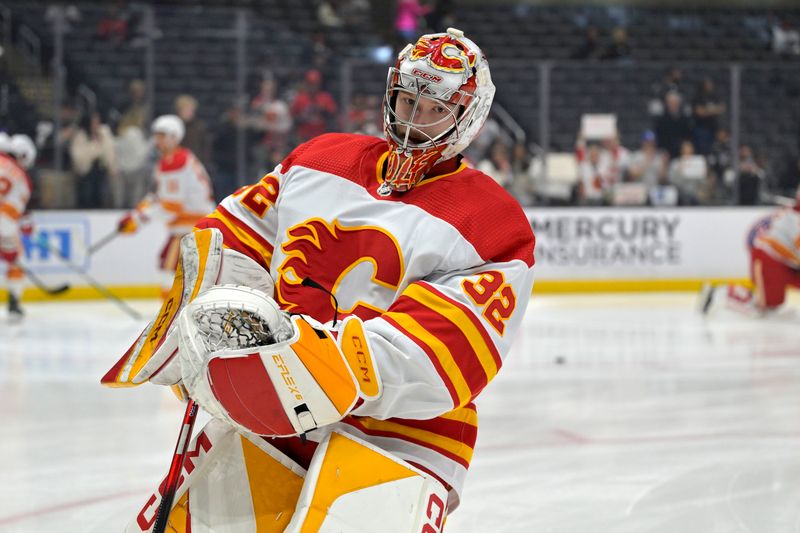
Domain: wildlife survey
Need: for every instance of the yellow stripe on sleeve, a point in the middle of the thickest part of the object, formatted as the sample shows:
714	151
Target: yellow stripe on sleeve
458	317
440	350
243	236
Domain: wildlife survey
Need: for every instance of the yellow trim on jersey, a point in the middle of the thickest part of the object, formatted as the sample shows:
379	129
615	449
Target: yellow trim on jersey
10	211
243	236
422	435
463	414
780	248
424	181
440	350
458	317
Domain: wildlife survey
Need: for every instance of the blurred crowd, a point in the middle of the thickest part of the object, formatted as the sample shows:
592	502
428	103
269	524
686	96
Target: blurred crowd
684	158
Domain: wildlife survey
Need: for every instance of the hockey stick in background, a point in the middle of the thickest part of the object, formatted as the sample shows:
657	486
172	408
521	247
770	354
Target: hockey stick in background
102	242
783	201
94	283
175	467
36	280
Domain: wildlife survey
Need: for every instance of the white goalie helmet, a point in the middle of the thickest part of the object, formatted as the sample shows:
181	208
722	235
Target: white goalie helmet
170	125
448	69
22	147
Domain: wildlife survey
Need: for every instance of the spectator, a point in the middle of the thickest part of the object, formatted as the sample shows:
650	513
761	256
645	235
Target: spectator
114	25
362	116
706	111
524	173
225	178
595	173
270	117
497	165
671	83
720	160
590	49
751	177
673	127
620	158
406	21
328	14
197	138
312	108
648	164
93	160
134	167
619	49
785	39
689	174
136	108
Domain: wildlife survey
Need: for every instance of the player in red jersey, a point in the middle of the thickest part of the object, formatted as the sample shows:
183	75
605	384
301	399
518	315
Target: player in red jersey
182	195
774	244
17	154
339	317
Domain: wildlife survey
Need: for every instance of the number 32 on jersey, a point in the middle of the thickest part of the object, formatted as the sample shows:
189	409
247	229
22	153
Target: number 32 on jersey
497	298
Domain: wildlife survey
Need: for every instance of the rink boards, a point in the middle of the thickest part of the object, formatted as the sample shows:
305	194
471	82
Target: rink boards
577	250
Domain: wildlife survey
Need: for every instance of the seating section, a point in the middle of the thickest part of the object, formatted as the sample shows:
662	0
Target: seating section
196	53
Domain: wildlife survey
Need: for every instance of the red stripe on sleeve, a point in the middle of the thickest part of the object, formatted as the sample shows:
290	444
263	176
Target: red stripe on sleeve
425	348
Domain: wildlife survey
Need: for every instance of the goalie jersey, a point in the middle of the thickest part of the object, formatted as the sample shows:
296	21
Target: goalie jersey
441	275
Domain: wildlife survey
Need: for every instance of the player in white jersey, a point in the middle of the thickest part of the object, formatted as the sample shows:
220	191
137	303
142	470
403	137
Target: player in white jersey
774	244
343	393
17	153
183	193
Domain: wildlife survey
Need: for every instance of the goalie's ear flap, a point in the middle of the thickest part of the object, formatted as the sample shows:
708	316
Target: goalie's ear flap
150	355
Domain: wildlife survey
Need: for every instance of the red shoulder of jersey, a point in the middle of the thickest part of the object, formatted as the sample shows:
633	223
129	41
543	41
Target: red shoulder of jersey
17	169
175	161
348	155
482	211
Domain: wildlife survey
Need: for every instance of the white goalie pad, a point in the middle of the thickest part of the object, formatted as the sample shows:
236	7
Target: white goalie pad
254	366
354	487
203	263
230	483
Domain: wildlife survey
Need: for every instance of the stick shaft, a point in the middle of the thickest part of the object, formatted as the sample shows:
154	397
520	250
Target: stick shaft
175	467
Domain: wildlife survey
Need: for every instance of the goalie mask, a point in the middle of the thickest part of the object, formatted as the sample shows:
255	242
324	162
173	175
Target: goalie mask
438	95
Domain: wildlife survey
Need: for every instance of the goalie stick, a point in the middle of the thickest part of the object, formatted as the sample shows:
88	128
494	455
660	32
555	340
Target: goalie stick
94	283
102	242
175	467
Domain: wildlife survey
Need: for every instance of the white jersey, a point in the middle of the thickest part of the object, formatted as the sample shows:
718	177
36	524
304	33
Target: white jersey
183	192
780	237
15	188
441	275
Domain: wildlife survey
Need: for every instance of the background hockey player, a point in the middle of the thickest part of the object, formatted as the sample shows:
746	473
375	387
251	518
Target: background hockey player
406	274
774	245
17	154
183	193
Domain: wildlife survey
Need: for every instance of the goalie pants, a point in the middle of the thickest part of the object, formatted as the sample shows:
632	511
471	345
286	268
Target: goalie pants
771	278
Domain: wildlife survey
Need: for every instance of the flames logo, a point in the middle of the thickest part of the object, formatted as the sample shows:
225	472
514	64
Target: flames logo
444	53
327	252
